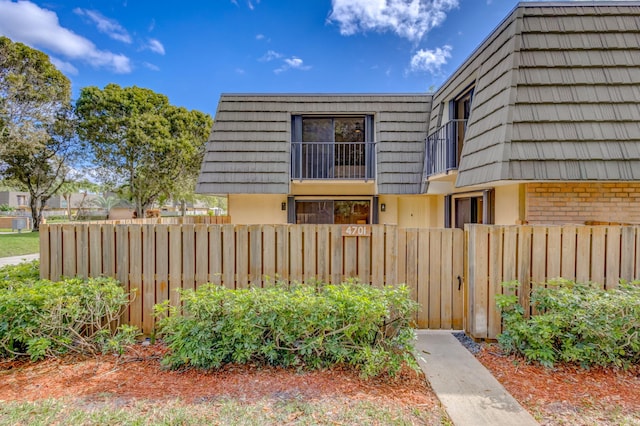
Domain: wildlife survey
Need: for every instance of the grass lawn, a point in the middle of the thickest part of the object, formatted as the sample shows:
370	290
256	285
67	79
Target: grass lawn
108	410
16	244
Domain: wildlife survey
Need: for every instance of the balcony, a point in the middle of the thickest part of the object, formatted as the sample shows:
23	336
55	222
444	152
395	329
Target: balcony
443	148
333	160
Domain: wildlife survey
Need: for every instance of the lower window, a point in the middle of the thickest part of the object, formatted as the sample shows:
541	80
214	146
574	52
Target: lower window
333	211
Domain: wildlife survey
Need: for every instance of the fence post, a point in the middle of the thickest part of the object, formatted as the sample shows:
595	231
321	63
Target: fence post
45	251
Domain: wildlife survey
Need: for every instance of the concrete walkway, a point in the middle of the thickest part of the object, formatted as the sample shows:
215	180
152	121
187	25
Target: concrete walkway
466	389
18	259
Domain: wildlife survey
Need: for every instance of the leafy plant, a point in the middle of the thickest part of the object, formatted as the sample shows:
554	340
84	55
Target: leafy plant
43	318
306	326
577	323
21	272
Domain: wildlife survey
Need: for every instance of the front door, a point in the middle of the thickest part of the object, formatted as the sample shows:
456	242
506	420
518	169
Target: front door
468	210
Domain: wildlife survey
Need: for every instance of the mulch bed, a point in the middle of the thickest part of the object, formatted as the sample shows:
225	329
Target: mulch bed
565	388
138	375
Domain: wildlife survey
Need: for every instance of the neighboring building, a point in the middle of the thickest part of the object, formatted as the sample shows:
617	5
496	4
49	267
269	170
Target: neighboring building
77	201
541	124
15	199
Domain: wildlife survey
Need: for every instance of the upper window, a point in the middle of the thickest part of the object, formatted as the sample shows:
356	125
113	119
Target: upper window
332	147
338	129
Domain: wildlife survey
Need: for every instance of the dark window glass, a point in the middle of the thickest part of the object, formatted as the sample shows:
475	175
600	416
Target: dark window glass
333	212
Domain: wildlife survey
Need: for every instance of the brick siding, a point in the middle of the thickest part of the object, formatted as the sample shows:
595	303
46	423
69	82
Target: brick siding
583	202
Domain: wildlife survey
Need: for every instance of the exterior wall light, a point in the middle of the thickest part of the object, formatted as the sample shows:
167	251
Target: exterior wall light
283	206
383	207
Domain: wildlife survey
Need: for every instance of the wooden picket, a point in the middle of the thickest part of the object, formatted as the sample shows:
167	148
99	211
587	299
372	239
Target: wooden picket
455	276
535	255
153	261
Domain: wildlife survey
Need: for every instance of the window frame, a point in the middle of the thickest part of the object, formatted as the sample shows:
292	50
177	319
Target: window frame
296	166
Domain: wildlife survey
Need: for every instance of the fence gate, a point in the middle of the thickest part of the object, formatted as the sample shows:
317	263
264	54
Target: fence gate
434	262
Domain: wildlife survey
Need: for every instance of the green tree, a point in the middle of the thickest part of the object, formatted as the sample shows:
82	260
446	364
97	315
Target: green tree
148	145
106	202
32	92
43	168
36	129
70	187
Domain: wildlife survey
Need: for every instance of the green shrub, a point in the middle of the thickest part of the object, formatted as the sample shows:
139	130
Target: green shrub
306	326
43	318
576	323
21	272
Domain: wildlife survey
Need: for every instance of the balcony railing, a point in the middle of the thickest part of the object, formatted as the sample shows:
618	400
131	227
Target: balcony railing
333	160
442	148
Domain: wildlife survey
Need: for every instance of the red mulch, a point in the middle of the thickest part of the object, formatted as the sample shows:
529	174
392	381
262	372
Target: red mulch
138	375
543	389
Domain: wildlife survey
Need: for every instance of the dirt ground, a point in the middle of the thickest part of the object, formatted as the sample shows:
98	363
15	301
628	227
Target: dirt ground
138	375
568	394
565	395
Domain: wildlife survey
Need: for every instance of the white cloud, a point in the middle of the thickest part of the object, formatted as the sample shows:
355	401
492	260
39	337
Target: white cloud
155	46
292	63
105	25
410	19
259	36
27	23
151	66
63	66
270	56
250	4
430	60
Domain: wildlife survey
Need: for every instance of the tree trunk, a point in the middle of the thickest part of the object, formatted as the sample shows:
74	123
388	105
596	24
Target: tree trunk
36	213
67	197
183	207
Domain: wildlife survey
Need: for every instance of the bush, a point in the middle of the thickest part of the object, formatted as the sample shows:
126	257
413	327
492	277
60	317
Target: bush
577	323
305	326
21	272
43	318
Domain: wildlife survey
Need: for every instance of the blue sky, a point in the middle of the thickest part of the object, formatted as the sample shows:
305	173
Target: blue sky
192	51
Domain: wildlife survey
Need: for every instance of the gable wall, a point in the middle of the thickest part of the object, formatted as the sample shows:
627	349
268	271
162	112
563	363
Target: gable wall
577	110
249	146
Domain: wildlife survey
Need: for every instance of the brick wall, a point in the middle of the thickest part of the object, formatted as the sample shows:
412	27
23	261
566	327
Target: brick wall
580	202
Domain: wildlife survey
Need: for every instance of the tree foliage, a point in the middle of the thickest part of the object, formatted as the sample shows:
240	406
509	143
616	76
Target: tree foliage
36	127
32	92
70	187
148	145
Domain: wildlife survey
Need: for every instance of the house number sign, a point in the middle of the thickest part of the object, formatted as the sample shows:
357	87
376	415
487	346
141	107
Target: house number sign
356	230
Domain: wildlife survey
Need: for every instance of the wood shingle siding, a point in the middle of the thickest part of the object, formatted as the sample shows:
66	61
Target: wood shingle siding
249	147
557	96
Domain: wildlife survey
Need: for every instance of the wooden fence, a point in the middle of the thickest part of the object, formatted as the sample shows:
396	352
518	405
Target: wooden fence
535	254
167	220
453	275
154	260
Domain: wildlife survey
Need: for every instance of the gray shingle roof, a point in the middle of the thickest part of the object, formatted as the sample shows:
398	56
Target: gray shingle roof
557	95
249	146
